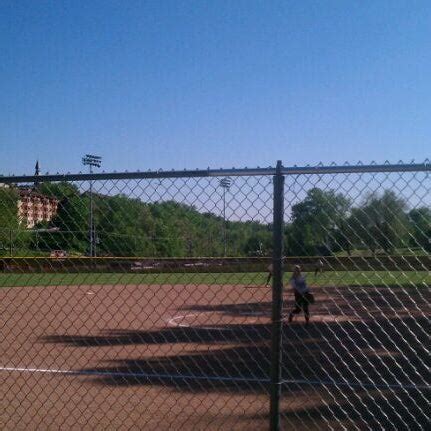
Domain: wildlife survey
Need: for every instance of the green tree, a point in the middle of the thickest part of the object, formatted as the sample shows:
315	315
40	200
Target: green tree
68	230
62	190
257	241
381	222
130	227
315	221
345	236
69	227
9	223
124	226
420	228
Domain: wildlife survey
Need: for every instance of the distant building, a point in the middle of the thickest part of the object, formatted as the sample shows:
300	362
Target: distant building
35	207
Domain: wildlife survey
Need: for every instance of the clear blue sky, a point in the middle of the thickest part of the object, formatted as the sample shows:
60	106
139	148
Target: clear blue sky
192	84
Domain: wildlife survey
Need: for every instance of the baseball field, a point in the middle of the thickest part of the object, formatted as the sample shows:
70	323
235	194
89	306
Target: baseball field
192	351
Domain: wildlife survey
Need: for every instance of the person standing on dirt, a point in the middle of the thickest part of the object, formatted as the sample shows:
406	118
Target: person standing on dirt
319	267
270	271
303	296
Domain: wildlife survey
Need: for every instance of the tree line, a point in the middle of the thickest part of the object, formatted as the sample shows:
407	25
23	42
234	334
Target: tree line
323	223
126	226
326	222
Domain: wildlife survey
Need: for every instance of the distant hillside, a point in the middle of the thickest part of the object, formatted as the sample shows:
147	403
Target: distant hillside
129	227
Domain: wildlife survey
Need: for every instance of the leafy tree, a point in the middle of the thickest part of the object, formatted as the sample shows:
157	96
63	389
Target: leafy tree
124	226
14	235
420	231
255	239
381	222
71	225
130	227
68	230
315	221
345	236
9	224
62	190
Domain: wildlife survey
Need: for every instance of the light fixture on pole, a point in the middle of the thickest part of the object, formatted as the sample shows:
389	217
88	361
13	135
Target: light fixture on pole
92	162
225	184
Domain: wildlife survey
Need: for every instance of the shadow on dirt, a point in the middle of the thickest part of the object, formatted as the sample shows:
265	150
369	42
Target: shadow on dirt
371	373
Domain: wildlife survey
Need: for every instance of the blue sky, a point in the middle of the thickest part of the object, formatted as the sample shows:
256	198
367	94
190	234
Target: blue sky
192	84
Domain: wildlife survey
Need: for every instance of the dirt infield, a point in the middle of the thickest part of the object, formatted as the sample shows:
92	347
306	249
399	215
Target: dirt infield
197	357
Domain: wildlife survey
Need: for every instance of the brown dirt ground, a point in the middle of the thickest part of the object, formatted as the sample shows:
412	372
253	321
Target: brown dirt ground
123	338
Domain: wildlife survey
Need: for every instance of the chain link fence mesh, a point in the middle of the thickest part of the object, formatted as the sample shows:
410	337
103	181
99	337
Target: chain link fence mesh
363	361
144	302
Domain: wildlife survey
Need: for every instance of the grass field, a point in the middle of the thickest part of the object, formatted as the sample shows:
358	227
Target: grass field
333	278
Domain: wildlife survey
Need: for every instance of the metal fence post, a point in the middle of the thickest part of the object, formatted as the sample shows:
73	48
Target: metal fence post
277	298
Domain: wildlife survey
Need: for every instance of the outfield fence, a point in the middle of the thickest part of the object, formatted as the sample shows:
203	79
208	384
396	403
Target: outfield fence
164	300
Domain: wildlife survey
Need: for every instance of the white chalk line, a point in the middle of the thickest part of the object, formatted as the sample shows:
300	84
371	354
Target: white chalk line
249	379
173	322
182	317
132	374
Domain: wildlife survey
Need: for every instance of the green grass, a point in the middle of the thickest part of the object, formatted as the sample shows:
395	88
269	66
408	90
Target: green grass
367	278
333	278
411	251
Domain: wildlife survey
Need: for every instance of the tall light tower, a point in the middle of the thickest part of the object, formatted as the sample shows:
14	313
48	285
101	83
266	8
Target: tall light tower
92	162
225	183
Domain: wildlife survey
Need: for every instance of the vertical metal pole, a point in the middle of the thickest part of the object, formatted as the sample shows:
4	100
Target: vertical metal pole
91	217
224	221
94	226
277	299
10	242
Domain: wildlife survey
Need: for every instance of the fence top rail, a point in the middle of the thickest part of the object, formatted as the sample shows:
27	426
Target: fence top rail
351	169
200	173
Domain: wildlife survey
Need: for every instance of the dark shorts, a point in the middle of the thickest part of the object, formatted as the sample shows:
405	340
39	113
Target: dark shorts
301	300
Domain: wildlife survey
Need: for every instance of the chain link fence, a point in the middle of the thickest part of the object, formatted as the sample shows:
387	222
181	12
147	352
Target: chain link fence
282	298
363	362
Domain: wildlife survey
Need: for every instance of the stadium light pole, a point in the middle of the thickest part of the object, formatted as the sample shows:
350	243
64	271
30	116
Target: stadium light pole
92	162
225	184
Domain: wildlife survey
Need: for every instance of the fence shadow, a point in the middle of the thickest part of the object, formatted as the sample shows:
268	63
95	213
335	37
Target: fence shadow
358	409
368	371
177	335
386	351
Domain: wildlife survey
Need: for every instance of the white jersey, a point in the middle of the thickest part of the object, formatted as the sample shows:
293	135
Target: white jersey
299	284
